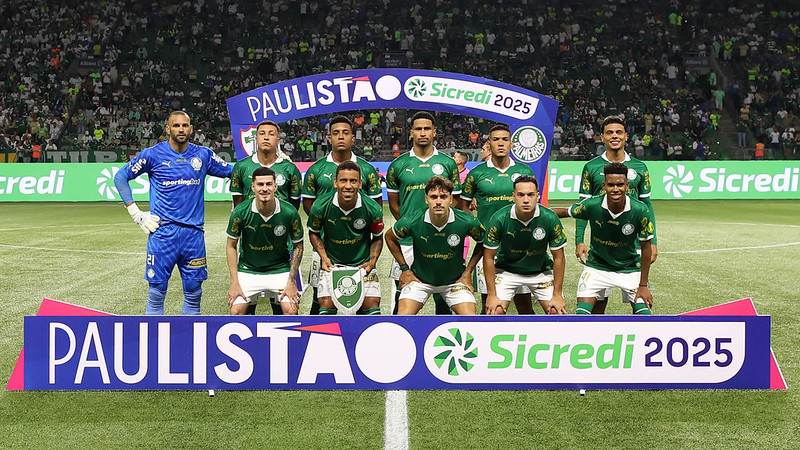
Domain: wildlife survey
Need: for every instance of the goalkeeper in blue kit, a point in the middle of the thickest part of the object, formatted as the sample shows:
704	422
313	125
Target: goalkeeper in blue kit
177	170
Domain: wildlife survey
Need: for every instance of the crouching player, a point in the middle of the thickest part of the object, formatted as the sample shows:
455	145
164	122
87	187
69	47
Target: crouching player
515	253
264	225
346	229
616	221
438	241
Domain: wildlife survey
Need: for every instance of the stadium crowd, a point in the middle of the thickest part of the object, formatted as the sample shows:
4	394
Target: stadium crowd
105	75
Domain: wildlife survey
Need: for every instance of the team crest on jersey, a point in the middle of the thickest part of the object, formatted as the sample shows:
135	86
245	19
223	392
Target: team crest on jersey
151	273
437	169
539	233
627	229
196	163
631	174
453	240
280	230
280	179
359	223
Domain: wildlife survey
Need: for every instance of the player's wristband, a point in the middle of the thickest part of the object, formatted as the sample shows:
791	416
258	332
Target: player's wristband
404	267
643	285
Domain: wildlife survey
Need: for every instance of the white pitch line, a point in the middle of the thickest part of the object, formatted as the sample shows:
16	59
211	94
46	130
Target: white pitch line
729	249
75	250
395	432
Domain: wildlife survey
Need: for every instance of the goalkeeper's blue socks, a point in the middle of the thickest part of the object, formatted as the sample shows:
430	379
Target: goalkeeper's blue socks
155	299
192	290
584	308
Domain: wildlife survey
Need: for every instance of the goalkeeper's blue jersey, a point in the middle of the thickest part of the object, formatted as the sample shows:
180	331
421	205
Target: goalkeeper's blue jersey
177	180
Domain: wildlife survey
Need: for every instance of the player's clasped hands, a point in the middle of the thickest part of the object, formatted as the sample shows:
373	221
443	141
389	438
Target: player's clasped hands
148	222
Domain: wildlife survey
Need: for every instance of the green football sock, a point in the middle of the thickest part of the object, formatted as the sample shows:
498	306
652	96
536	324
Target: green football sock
327	311
641	309
376	311
584	308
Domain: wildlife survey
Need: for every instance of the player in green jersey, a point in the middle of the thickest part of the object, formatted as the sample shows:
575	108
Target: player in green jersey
617	221
287	175
437	235
319	182
265	229
346	228
490	184
515	253
406	179
614	137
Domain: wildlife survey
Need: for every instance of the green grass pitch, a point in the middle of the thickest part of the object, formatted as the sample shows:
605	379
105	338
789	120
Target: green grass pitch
92	255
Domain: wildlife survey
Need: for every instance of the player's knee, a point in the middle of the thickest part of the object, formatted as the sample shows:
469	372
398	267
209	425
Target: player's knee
192	285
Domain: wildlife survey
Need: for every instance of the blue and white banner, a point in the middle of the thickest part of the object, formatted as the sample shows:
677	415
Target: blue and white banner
421	352
530	116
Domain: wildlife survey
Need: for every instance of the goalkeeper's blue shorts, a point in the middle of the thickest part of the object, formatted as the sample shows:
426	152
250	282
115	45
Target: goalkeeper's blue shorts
173	244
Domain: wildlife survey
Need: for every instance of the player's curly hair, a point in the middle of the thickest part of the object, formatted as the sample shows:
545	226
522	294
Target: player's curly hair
438	182
348	165
615	168
340	119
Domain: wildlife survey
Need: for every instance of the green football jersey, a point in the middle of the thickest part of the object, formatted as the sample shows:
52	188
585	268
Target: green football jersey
287	178
438	253
613	244
522	246
264	242
592	184
346	235
319	178
492	187
408	174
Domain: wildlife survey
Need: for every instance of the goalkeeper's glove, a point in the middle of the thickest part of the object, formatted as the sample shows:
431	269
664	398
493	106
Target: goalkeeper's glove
148	222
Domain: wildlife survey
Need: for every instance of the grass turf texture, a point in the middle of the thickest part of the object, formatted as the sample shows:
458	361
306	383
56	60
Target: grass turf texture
93	255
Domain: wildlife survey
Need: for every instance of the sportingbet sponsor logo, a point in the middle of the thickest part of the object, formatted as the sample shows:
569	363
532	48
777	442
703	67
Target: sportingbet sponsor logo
606	352
271	104
470	94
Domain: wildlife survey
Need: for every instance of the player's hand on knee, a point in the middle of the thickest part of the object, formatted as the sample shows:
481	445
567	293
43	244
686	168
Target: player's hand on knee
147	221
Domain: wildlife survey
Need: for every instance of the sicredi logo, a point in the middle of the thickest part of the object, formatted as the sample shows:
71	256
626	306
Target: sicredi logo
470	94
275	102
676	181
607	352
107	190
53	183
679	181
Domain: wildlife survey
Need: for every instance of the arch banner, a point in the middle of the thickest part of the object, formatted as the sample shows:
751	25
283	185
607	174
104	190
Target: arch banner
529	115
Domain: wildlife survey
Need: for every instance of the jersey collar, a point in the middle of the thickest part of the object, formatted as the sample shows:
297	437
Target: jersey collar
266	219
414	155
624	210
336	203
491	165
254	158
329	158
451	218
627	157
514	214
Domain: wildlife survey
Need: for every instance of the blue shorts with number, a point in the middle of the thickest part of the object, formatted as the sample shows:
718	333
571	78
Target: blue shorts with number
173	244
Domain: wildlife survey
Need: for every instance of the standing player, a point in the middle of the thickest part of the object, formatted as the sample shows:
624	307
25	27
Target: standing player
287	176
437	234
177	170
617	221
319	181
490	184
515	252
346	228
406	179
614	137
265	225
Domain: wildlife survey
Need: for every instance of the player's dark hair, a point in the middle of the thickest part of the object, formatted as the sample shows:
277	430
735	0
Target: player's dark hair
615	168
463	154
268	122
348	165
421	115
263	172
526	179
612	119
437	182
499	127
340	119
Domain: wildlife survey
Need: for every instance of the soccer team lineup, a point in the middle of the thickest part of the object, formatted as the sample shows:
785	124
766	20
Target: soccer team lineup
475	241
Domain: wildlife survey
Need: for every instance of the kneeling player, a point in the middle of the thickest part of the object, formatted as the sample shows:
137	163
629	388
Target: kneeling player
438	240
515	253
264	225
616	221
346	229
